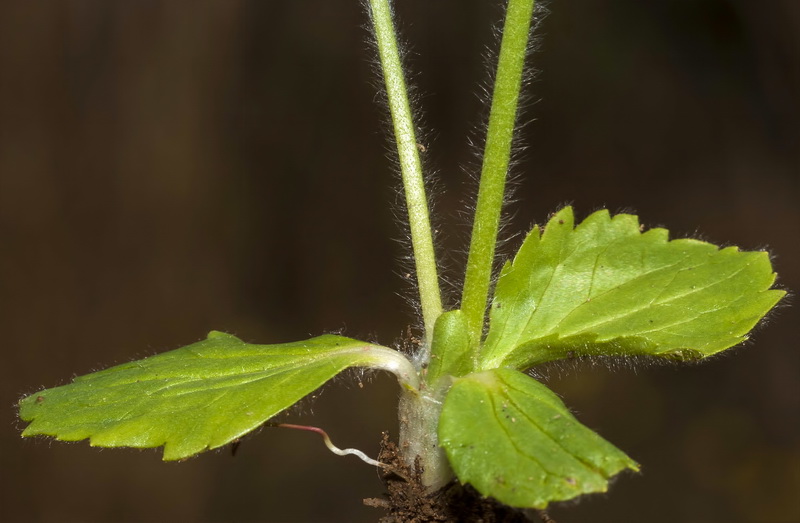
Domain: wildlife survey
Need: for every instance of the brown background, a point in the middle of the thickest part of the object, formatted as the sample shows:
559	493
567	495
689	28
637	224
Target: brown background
167	168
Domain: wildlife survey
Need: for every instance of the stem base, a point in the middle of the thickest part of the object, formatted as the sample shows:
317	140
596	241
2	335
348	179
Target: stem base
419	419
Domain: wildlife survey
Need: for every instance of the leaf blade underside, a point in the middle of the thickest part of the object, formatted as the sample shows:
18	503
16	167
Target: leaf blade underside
513	439
195	398
605	287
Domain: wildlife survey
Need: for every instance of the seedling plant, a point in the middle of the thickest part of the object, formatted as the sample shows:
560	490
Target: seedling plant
469	409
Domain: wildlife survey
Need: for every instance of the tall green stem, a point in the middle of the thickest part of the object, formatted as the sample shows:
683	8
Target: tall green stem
410	166
497	153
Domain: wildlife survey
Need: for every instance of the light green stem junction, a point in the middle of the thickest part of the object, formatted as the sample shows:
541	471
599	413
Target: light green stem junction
410	168
384	358
496	157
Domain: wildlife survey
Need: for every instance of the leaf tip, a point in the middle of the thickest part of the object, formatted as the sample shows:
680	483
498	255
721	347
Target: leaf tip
564	216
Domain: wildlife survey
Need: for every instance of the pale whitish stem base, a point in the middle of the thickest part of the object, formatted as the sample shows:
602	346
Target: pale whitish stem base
419	419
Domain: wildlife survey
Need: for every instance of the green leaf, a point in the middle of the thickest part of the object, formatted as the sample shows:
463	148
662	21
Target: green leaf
605	287
450	352
513	439
195	398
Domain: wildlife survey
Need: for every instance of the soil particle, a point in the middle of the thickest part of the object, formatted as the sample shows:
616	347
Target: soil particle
406	500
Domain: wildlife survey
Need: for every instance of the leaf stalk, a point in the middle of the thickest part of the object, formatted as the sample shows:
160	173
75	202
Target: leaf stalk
496	158
390	360
410	166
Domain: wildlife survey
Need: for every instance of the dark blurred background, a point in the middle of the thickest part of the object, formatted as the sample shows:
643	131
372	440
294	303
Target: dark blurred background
168	168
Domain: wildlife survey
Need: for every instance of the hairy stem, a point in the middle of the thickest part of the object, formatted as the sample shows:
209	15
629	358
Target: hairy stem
410	166
419	422
497	153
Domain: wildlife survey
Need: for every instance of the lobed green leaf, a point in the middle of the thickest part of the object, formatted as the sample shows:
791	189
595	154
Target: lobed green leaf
195	398
513	439
605	287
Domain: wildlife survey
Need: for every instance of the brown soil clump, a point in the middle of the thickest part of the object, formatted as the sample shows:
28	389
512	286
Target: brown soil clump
407	501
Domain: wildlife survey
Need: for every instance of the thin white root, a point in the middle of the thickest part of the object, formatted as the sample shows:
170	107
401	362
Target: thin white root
333	448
